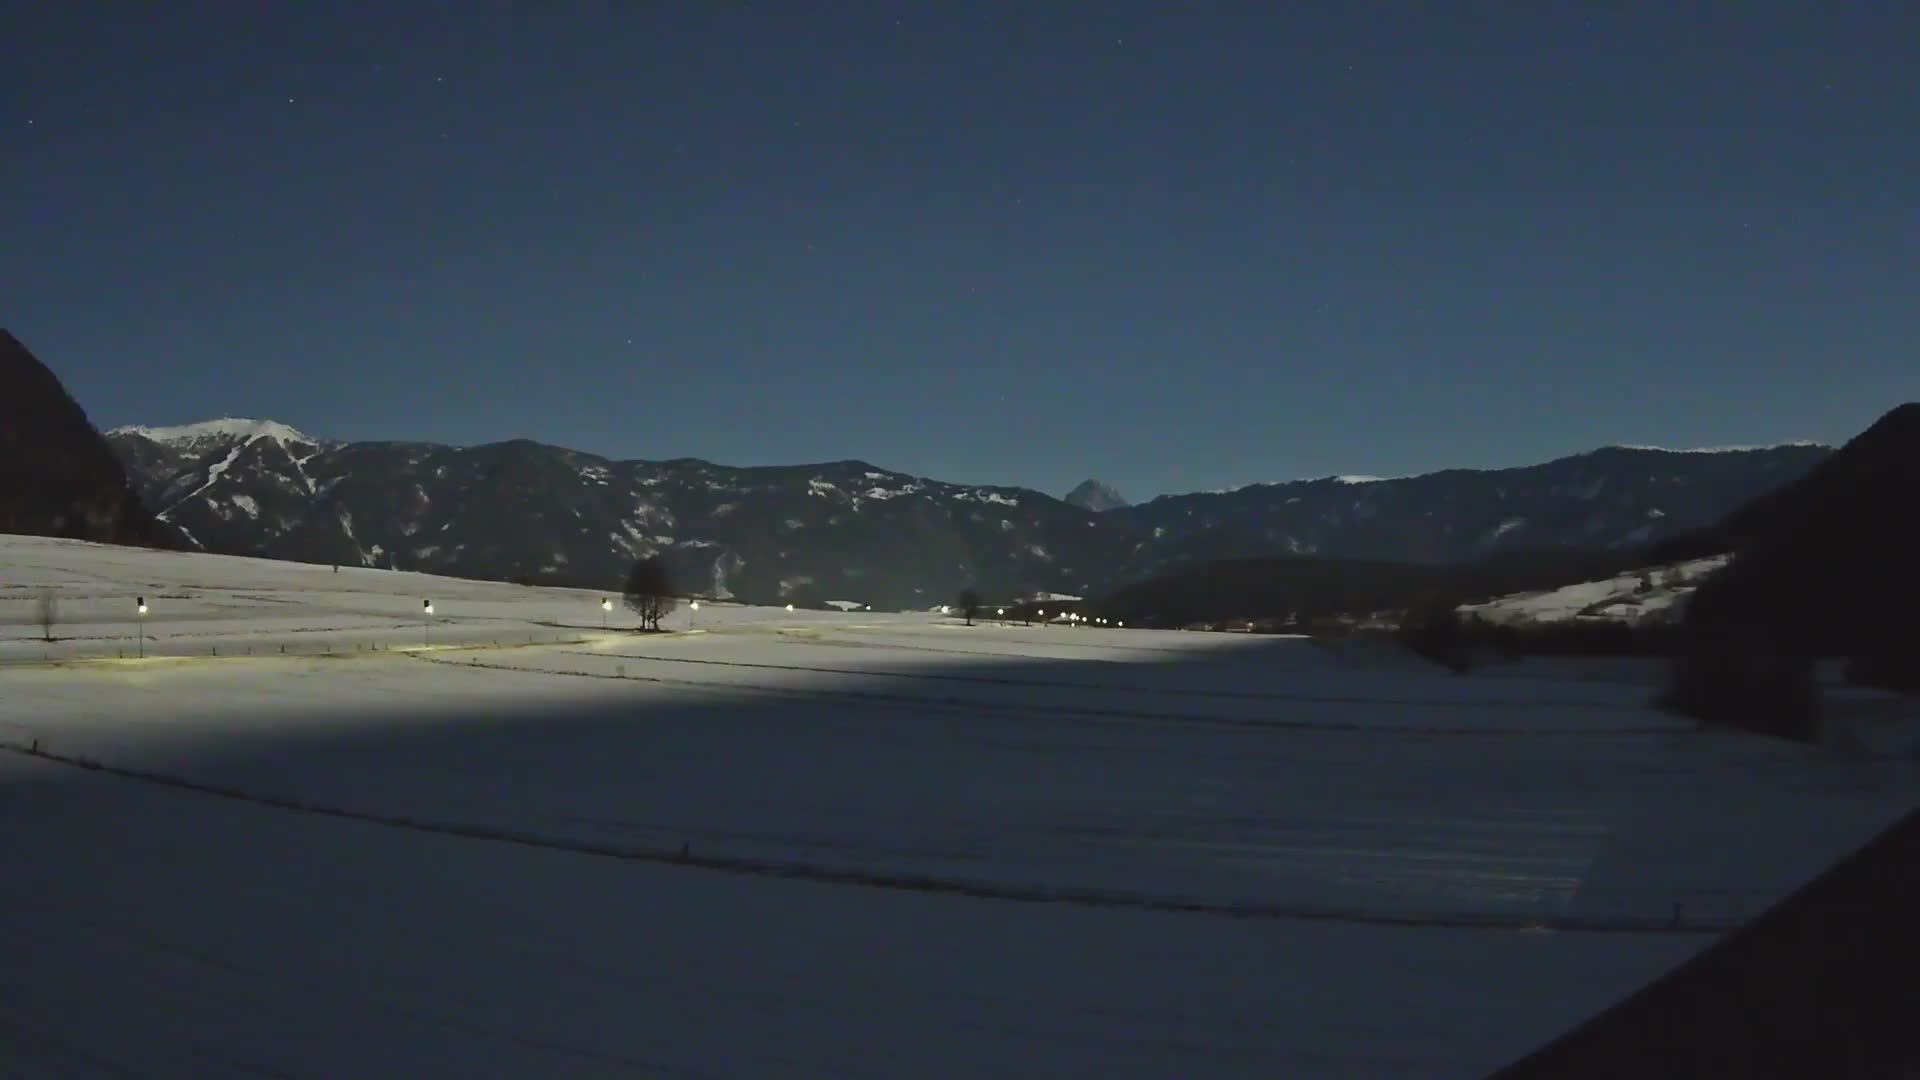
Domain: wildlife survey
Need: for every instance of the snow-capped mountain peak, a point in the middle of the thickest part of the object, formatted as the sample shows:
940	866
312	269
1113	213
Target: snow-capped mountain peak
227	428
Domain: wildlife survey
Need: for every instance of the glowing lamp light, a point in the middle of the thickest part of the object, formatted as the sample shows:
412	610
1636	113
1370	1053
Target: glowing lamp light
606	605
426	607
696	605
141	606
789	607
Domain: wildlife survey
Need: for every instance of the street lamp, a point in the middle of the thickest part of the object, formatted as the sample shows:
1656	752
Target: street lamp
693	613
140	623
426	626
789	609
606	605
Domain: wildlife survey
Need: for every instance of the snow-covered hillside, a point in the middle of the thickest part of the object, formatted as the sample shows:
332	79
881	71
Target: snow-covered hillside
1656	593
202	605
832	844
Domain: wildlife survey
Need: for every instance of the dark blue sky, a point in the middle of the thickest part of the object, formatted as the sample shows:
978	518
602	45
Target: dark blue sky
1173	246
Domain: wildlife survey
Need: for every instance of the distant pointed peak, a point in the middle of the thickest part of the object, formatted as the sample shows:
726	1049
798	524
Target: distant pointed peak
1095	496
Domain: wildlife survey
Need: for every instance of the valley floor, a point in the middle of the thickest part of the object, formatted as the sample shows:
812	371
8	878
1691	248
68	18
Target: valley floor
832	844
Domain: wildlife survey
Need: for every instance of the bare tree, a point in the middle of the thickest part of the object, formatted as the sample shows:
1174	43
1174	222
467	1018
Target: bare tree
46	611
649	591
969	604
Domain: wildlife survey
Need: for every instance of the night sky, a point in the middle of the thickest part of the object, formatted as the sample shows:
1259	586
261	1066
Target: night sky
1172	246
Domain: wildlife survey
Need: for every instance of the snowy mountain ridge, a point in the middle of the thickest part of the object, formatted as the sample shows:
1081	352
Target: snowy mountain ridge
1721	449
226	427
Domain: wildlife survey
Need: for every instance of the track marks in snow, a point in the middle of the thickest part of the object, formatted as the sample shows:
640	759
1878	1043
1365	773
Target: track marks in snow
899	881
1051	684
1006	709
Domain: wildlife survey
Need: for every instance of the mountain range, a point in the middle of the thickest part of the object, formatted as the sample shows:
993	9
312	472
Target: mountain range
851	531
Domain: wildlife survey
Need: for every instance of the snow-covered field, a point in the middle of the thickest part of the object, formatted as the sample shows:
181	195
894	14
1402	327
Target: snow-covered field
835	844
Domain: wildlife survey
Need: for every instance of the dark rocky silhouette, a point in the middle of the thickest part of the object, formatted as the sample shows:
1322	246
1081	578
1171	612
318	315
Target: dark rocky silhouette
1096	496
58	477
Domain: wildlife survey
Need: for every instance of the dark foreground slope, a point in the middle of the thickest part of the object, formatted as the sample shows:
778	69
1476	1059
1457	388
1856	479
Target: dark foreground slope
1829	566
57	475
1820	986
